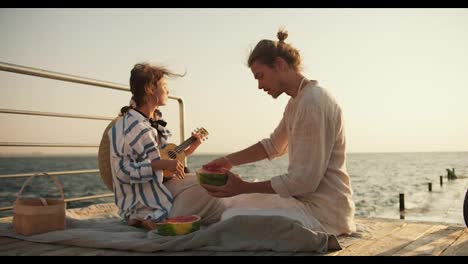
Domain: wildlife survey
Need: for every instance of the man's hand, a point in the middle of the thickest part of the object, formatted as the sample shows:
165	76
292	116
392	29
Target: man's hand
222	162
234	186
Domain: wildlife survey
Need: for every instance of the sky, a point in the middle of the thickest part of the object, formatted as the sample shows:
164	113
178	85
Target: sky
400	75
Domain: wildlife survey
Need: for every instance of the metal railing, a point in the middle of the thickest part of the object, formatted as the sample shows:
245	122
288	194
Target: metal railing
77	79
74	79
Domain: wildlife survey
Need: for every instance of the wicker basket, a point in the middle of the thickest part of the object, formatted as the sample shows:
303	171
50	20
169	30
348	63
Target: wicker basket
104	157
39	215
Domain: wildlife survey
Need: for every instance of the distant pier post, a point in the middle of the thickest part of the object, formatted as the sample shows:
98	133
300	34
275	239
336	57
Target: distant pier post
402	202
429	186
441	180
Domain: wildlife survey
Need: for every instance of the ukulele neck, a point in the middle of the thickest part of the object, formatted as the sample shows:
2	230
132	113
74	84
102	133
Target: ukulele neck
185	144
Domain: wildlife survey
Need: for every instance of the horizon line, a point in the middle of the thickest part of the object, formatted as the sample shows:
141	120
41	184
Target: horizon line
7	155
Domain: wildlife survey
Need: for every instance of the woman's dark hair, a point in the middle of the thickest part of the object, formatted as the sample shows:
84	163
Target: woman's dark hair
124	110
158	113
142	75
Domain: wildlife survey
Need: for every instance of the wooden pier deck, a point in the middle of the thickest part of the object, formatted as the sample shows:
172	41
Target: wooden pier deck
380	237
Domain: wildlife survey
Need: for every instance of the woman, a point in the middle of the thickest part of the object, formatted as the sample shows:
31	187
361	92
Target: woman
137	167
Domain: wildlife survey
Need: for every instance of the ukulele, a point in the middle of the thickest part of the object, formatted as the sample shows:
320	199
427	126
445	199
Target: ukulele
173	151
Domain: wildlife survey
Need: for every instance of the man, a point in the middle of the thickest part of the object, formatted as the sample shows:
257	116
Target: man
311	132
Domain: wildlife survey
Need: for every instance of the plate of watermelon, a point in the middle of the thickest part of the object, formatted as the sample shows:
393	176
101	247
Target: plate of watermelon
179	225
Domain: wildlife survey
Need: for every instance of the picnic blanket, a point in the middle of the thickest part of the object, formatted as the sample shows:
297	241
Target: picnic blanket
99	226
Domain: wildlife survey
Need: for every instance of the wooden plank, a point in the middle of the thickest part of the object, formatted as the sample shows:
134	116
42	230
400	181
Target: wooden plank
7	244
35	249
285	254
68	251
459	247
180	253
5	249
306	254
14	246
433	243
7	240
190	253
7	219
376	231
346	241
394	241
233	253
109	252
275	253
81	251
263	253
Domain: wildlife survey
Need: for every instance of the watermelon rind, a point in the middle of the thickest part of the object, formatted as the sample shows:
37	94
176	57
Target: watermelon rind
178	228
211	178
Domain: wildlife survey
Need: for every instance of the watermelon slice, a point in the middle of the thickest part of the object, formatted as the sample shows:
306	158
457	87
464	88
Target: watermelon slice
179	225
212	176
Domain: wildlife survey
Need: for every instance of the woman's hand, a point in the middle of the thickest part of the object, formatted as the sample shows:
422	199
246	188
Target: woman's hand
173	166
176	167
199	138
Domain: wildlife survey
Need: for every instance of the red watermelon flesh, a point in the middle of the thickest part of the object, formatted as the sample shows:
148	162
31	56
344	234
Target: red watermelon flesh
213	169
182	219
212	176
179	225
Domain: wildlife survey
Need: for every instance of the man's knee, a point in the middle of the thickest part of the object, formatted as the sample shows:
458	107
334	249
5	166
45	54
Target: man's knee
195	200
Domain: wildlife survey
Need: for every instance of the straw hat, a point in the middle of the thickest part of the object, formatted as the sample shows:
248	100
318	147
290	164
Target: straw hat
104	157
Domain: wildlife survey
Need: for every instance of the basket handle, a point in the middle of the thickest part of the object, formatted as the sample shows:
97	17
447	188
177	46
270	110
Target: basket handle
59	186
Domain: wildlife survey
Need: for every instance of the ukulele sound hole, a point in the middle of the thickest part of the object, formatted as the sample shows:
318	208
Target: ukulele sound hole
172	154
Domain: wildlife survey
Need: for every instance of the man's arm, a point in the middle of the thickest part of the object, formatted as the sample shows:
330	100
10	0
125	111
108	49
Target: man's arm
253	153
258	187
270	148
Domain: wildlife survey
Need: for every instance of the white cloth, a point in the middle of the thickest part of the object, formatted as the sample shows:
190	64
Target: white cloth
133	147
312	133
190	198
270	205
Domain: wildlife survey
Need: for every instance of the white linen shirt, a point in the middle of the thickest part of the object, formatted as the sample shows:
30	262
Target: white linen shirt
312	133
133	147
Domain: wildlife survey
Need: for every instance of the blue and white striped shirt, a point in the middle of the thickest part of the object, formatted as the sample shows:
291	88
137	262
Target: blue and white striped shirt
133	147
